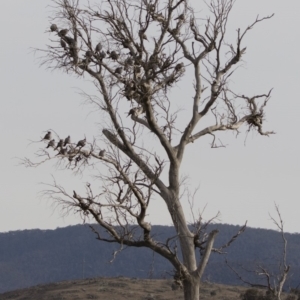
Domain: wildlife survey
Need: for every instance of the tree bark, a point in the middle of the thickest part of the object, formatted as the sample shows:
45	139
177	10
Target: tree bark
191	289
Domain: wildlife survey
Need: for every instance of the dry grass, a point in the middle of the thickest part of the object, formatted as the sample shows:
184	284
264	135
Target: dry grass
120	288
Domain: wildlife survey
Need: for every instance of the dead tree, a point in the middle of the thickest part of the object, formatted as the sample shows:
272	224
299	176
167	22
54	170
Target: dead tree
137	53
274	281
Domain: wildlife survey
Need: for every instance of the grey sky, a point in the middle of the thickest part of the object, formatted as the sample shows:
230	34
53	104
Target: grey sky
242	181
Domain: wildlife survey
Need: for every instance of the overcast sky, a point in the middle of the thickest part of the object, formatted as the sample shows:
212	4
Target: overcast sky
242	181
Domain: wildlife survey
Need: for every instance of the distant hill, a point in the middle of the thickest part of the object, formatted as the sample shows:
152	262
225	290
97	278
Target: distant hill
32	257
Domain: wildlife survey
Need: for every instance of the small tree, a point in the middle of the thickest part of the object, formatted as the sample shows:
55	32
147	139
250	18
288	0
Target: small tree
138	53
274	281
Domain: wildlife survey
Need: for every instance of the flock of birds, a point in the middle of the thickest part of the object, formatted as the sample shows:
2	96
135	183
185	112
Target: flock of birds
66	148
157	63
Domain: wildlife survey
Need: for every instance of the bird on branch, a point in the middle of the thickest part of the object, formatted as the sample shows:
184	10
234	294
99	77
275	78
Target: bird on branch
63	32
51	144
180	17
81	143
53	27
118	70
88	54
136	111
63	44
179	67
102	153
62	151
59	144
98	48
114	55
67	141
48	136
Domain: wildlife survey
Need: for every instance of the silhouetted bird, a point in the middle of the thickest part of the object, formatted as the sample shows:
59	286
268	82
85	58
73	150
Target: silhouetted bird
63	32
159	17
81	143
114	55
51	144
154	66
48	136
102	153
69	40
126	43
129	61
136	111
180	17
63	44
59	144
179	67
175	31
102	54
98	48
67	141
88	54
62	151
53	27
118	70
151	7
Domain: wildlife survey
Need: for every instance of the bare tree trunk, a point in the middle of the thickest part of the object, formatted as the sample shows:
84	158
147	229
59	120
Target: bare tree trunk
191	289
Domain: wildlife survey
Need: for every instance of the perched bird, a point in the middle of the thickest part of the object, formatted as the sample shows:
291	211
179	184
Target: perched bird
98	48
69	40
151	7
180	17
89	54
53	27
62	151
48	136
154	66
175	31
129	61
114	55
81	143
102	153
136	111
51	144
129	94
67	141
179	67
63	44
159	17
118	70
59	144
63	32
102	54
126	43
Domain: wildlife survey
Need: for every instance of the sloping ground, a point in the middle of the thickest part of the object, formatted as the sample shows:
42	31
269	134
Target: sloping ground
119	289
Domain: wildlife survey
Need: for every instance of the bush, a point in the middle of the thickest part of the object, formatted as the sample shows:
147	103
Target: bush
253	294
